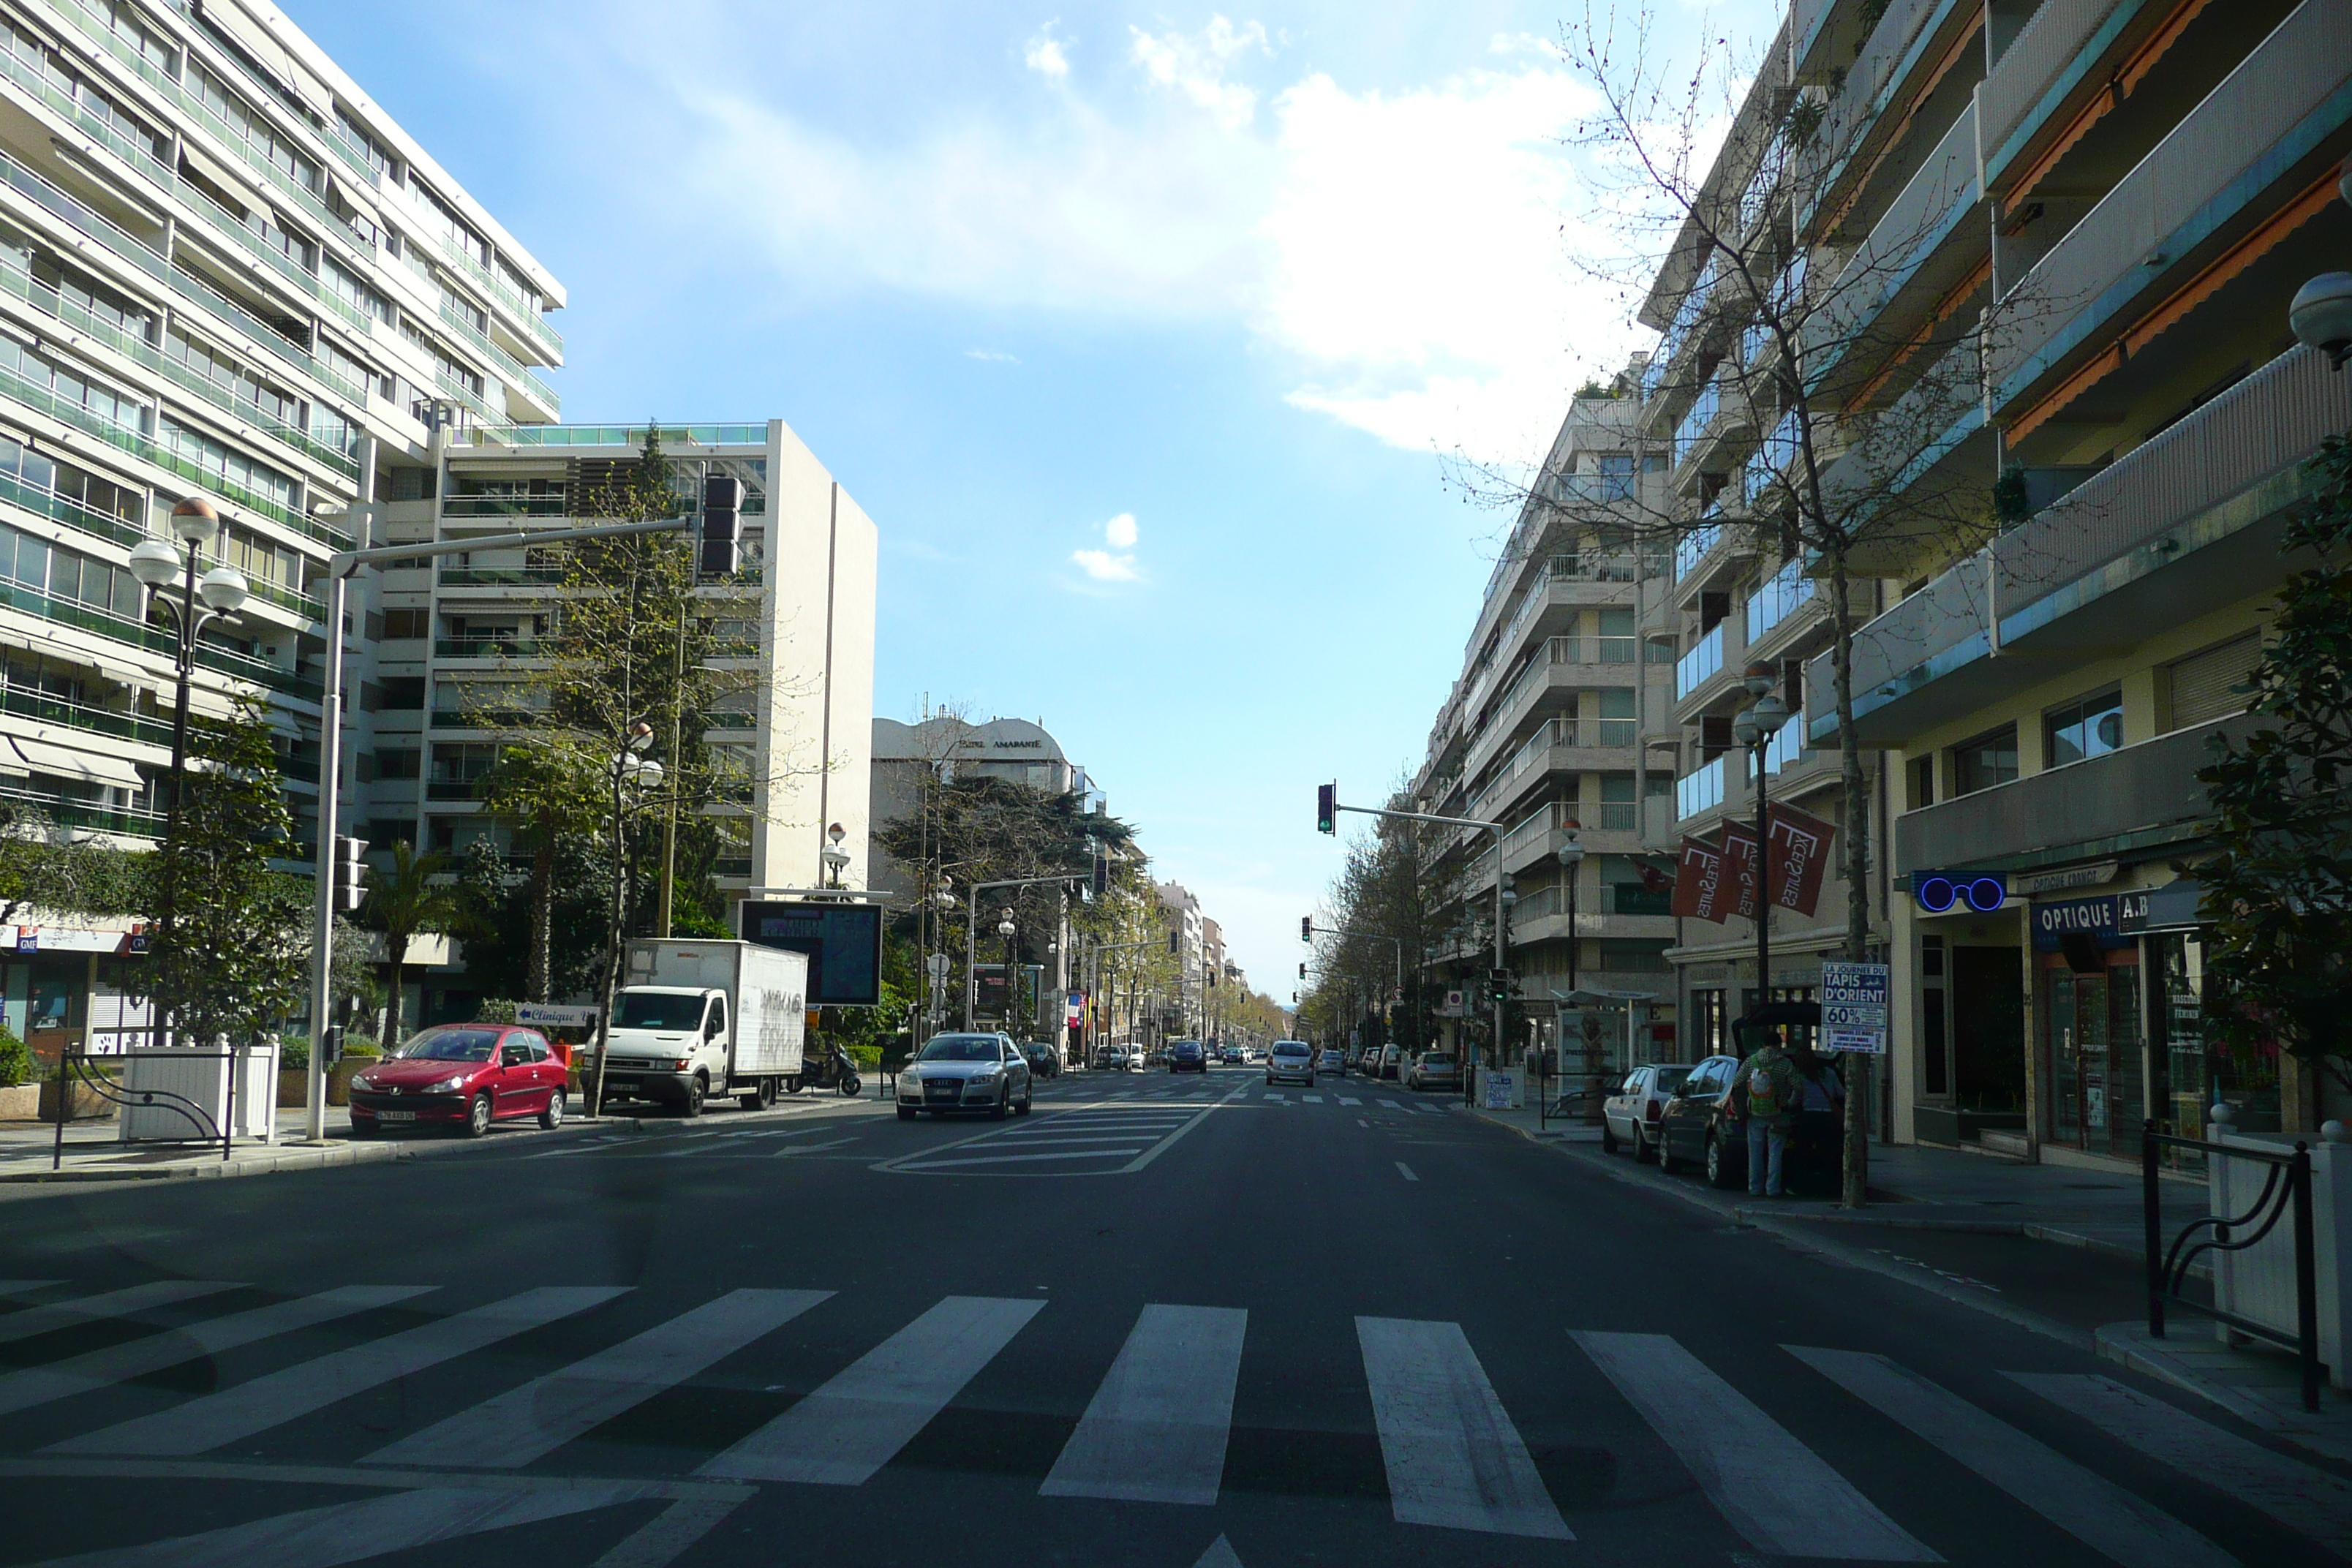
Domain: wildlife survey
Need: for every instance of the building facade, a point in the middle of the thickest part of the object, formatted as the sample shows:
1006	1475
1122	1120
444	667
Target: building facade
226	272
944	747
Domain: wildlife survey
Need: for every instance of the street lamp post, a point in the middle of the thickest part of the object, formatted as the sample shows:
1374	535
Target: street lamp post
1754	729
1010	929
836	859
633	771
202	599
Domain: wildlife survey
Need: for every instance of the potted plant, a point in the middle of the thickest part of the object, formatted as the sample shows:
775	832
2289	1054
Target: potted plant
20	1097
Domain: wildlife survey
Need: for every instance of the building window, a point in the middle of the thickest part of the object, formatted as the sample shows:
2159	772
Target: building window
403	624
1922	772
1987	761
2087	726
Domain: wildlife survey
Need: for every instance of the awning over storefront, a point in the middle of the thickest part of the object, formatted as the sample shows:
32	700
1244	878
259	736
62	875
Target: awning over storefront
2172	907
39	756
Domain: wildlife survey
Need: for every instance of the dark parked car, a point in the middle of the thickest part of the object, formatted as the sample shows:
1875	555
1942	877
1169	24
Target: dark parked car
1702	1124
1044	1060
465	1076
1186	1056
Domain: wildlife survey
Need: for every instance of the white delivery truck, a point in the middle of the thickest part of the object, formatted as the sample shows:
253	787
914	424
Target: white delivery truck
700	1018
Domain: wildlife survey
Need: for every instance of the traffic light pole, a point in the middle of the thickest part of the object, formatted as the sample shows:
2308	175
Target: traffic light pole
340	568
970	924
1327	806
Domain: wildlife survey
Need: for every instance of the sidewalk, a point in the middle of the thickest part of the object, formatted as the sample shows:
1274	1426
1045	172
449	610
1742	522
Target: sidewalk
1938	1190
92	1152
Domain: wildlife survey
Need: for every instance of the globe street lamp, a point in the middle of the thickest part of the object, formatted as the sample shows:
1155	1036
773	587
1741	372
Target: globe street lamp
2321	313
1754	729
156	563
836	859
1009	930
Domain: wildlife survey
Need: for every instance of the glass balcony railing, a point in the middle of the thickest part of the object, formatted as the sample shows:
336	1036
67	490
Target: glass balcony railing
1695	420
504	506
48	709
1787	746
1780	595
500	576
155	639
1703	661
1691	548
620	435
1699	791
485	647
83	814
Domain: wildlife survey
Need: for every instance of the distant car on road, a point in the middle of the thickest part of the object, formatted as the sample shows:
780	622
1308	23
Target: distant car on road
467	1076
1433	1070
966	1072
1385	1061
1233	1055
1187	1056
1044	1060
1329	1059
1631	1115
1135	1060
1291	1060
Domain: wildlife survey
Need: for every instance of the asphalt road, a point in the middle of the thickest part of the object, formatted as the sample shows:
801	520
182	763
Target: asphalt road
1165	1322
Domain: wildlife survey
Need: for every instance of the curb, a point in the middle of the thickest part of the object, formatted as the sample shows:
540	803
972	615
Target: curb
2127	1345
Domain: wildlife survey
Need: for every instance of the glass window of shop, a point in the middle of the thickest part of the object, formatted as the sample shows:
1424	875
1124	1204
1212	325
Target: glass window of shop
2198	1070
1709	1032
2092	1053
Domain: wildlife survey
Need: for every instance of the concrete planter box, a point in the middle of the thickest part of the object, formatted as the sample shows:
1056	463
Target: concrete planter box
20	1103
2259	1282
86	1104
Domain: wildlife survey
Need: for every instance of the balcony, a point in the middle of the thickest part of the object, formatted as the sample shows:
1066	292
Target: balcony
2128	801
1558	745
629	435
2164	220
501	577
2185	524
1700	792
504	506
485	647
2033	73
1700	665
1691	546
1783	594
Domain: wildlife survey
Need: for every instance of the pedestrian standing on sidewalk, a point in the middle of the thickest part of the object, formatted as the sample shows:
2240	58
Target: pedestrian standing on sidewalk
1771	1088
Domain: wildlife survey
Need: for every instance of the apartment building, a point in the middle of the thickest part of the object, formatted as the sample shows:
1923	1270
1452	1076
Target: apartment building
945	747
2051	248
1547	728
224	273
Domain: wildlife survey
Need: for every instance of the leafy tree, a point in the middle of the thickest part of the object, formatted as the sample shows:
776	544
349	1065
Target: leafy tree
236	957
414	898
43	869
2280	894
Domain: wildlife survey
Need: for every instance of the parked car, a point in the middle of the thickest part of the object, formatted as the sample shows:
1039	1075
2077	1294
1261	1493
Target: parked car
1433	1070
967	1072
467	1076
1044	1060
1631	1114
1387	1061
1701	1123
1291	1061
1187	1056
1330	1060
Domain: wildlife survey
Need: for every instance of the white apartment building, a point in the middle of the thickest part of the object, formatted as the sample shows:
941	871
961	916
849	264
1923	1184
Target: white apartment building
945	746
225	272
1550	725
799	616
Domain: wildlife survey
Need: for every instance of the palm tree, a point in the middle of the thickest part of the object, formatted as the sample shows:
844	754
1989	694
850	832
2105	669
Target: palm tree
410	901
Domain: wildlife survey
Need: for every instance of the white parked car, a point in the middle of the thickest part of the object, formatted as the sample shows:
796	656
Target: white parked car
1291	1061
966	1072
1631	1115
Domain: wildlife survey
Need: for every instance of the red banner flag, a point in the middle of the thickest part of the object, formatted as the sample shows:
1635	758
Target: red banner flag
1798	856
1739	852
1698	873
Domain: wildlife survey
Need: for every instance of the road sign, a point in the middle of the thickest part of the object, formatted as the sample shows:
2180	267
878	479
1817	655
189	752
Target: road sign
1853	1007
544	1016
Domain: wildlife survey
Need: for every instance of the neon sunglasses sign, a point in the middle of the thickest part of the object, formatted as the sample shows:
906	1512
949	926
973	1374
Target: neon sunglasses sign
1940	892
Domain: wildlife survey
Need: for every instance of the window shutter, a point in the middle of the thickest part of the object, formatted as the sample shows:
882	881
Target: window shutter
2204	685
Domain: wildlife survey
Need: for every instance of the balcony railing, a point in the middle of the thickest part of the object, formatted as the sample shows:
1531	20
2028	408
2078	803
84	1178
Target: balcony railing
81	814
155	639
485	647
1691	548
1780	595
1700	791
48	709
619	435
505	506
2046	47
500	576
1695	420
1704	660
1633	898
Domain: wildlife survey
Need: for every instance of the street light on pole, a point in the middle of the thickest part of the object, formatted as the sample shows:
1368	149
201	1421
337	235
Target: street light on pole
836	859
1754	727
155	563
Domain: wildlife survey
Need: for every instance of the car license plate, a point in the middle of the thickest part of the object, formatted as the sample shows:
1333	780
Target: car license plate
395	1116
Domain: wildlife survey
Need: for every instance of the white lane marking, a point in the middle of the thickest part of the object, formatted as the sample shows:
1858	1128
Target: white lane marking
1020	1159
1392	1105
1361	1122
1220	1554
1453	1459
1406	1171
280	1397
1779	1494
1155	1430
1345	1100
55	1315
1278	1096
346	1532
1311	1099
844	1432
2093	1511
1052	1139
120	1364
20	1286
2306	1500
660	1541
1170	1141
524	1424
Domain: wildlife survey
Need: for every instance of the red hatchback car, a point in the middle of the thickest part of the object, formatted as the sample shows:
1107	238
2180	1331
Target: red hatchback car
462	1075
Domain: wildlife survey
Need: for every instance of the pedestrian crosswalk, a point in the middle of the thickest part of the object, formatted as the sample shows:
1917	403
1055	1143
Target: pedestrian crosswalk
1149	1424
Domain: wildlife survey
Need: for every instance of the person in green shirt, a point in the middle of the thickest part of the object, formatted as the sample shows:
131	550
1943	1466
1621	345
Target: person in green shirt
1771	1088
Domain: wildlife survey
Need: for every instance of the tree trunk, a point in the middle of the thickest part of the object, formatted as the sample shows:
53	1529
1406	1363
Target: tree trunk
396	947
1855	1191
539	980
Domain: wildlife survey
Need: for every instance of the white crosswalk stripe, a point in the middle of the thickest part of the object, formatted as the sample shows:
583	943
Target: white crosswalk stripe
1773	1489
2306	1499
1346	1100
113	1365
50	1317
2095	1511
844	1432
524	1424
204	1424
1156	1429
1453	1457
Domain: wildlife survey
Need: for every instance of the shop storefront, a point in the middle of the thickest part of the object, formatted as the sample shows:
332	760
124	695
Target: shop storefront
2188	1072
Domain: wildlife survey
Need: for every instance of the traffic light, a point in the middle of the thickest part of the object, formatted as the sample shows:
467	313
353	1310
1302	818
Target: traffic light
1307	928
1326	808
351	873
1102	875
1499	986
722	500
1302	972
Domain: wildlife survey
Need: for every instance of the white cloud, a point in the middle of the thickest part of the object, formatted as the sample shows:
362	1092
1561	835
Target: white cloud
993	356
1119	531
1195	65
1047	55
1104	567
1405	253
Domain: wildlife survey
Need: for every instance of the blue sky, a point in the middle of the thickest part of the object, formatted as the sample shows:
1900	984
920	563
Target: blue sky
1143	335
